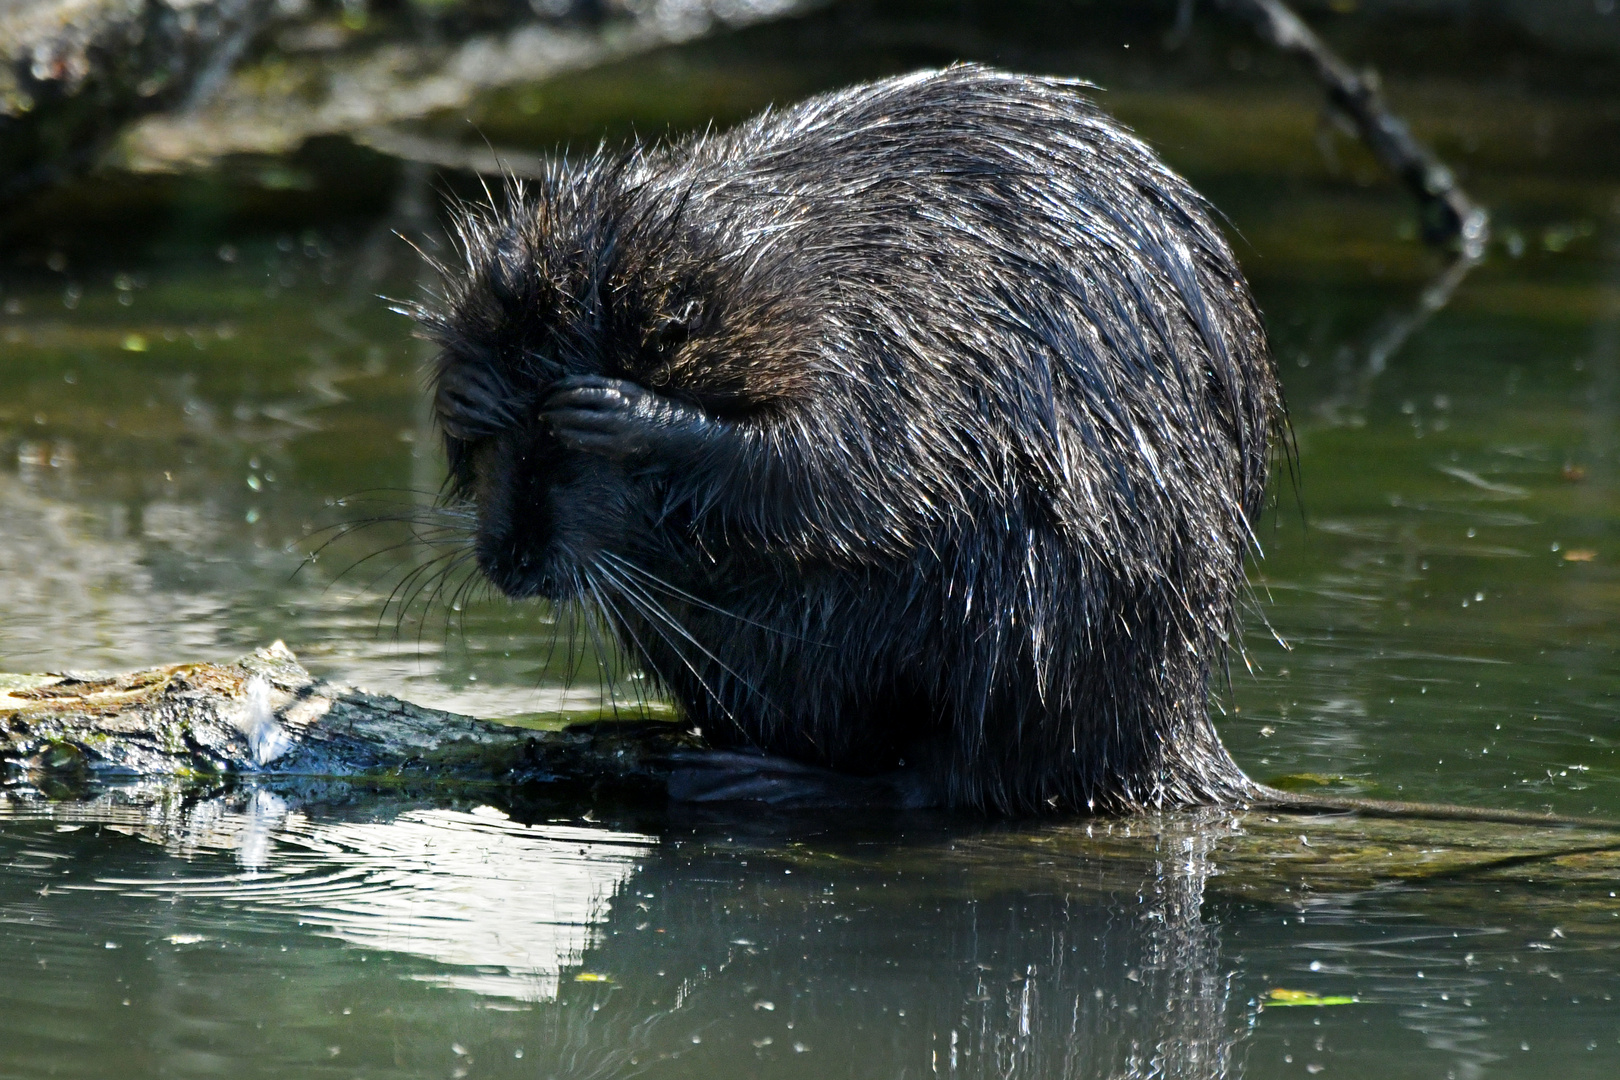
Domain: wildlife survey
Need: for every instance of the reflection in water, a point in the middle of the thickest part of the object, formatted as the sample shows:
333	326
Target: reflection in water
1183	955
1132	984
72	575
937	970
1356	379
513	906
504	907
731	947
627	956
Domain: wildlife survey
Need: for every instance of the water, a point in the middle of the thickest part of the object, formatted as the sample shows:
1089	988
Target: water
182	414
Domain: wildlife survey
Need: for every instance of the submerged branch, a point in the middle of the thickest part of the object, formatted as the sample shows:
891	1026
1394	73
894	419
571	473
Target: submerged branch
1448	212
1355	383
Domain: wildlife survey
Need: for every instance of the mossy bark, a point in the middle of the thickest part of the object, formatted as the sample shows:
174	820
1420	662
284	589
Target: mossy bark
265	717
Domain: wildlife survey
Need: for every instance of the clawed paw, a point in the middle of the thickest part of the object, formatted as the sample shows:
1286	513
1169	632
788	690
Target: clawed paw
620	419
599	415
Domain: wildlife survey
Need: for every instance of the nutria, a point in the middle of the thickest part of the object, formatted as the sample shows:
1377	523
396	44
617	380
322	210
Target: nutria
915	432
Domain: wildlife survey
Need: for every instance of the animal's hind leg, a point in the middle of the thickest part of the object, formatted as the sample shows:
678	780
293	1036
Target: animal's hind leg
741	776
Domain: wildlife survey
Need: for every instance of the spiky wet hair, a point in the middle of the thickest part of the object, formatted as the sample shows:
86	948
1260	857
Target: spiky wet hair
994	413
593	267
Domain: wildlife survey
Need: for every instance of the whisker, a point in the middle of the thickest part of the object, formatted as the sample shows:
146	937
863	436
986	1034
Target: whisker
420	568
440	582
417	569
652	580
649	605
434	526
679	655
570	657
551	647
416	584
352	567
458	605
603	682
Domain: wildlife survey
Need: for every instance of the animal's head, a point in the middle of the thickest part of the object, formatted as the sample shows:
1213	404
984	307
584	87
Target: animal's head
589	272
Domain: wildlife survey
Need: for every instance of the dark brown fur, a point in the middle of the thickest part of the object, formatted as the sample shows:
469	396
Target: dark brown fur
913	431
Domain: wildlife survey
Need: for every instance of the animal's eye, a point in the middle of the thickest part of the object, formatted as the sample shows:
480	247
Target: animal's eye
671	333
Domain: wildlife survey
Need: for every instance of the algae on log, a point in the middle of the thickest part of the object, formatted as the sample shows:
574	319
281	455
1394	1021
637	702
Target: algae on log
264	716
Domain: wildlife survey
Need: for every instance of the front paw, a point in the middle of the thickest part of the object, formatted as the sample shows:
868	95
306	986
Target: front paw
611	417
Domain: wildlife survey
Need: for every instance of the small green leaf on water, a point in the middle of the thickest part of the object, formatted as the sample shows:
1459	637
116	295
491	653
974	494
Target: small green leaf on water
1280	997
593	976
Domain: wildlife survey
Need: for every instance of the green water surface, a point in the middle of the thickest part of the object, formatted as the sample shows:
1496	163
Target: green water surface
189	404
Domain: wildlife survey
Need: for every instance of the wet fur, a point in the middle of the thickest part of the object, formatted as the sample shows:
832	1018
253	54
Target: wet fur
923	422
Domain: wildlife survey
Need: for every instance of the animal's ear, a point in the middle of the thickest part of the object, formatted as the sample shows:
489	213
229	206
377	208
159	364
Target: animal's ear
508	267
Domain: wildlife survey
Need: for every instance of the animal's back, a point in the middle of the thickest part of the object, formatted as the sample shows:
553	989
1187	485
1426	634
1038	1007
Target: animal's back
1050	402
1017	266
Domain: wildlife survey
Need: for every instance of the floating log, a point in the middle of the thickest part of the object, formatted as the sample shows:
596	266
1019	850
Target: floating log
265	717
